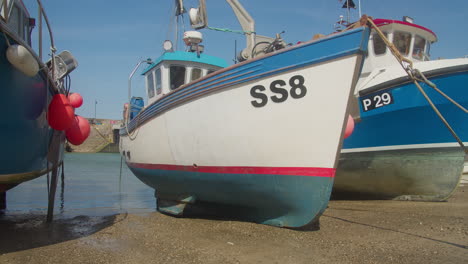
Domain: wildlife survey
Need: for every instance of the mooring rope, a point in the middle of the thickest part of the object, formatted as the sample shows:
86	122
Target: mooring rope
408	67
231	30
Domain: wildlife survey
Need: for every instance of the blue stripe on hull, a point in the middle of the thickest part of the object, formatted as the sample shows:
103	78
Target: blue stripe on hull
24	131
280	200
410	120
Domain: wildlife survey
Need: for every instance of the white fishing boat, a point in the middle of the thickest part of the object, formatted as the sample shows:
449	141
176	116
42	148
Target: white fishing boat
261	137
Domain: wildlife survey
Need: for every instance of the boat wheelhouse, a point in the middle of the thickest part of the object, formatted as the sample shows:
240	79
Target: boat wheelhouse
411	40
175	69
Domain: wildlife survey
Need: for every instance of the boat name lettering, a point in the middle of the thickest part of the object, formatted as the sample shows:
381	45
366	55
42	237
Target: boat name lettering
278	87
376	101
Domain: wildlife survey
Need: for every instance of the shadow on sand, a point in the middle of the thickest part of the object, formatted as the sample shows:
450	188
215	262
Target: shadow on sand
26	231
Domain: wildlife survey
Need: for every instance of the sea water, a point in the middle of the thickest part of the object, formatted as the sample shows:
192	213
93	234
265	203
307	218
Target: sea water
94	184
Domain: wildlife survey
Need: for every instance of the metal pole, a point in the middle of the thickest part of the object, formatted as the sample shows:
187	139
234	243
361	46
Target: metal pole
130	83
95	105
53	188
130	80
360	14
5	10
40	33
3	200
347	7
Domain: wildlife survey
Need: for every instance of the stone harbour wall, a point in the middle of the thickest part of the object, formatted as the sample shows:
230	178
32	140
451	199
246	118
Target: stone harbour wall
103	137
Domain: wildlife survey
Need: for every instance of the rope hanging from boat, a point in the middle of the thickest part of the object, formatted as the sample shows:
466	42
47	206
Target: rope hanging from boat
133	133
232	31
433	86
100	134
413	74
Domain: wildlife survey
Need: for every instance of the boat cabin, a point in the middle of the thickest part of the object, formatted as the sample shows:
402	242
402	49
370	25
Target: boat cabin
411	40
17	19
176	68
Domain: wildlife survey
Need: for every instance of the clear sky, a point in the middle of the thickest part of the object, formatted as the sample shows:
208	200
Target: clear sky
108	37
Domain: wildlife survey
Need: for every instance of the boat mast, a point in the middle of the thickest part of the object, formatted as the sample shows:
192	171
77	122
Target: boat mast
359	4
179	12
198	20
347	9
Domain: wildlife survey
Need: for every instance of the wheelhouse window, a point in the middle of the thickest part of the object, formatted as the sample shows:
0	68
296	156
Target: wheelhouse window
378	44
177	76
428	49
158	81
418	47
196	74
210	71
402	41
150	84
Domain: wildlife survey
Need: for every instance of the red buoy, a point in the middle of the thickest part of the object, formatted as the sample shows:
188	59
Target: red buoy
60	113
349	127
76	100
79	131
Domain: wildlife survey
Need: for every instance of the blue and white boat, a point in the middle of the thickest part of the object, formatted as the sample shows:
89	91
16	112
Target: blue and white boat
30	147
261	137
400	149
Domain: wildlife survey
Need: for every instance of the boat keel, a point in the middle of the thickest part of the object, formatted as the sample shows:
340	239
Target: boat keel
174	207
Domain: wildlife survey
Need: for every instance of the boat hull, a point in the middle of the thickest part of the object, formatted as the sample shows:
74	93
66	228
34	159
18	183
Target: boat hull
274	163
415	174
273	199
403	150
24	129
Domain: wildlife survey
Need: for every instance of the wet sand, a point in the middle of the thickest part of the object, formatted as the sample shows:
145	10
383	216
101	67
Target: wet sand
350	232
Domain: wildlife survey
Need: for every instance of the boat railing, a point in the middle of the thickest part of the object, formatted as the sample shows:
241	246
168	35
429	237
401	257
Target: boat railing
5	8
148	61
42	14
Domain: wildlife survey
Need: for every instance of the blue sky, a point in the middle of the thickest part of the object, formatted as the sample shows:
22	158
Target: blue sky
108	37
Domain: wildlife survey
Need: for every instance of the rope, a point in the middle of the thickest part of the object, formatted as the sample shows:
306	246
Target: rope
433	86
454	134
232	31
408	67
133	135
99	132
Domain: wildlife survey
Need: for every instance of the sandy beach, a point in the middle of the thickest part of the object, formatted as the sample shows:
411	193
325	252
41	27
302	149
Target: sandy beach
350	232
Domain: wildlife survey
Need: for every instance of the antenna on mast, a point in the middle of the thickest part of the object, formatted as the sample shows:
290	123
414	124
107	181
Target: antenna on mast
348	4
235	51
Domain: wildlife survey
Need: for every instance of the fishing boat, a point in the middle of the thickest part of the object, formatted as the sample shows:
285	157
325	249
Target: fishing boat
260	137
401	148
33	96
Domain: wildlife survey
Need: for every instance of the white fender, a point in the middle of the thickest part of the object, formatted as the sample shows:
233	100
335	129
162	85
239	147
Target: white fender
22	59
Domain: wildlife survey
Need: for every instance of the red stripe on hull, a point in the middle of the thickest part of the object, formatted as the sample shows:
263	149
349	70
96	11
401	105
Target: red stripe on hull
383	22
297	171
